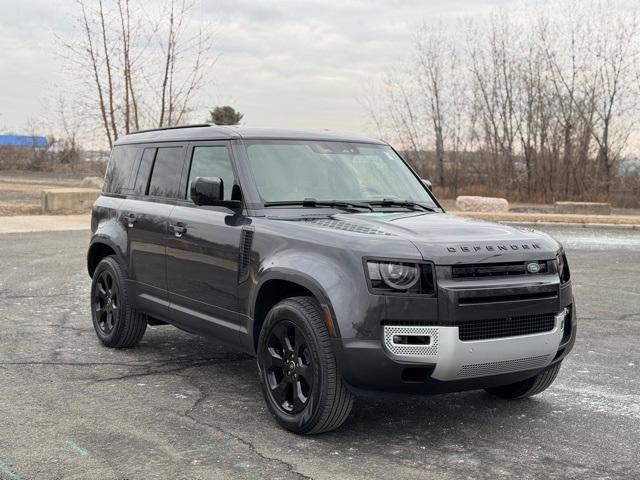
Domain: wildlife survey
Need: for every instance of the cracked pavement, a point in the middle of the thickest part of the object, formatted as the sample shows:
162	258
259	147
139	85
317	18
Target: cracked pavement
181	407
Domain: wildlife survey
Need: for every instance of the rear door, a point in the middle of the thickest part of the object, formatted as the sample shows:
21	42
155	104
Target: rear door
203	247
146	213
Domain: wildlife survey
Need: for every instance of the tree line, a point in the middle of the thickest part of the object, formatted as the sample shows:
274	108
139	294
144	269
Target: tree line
535	104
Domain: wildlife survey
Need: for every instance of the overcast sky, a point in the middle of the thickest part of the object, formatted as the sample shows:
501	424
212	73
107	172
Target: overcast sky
288	63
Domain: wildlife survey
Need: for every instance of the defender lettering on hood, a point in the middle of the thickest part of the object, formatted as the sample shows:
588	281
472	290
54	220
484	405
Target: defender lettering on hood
494	248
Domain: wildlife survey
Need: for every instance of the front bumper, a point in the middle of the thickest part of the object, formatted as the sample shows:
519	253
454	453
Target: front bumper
448	364
455	359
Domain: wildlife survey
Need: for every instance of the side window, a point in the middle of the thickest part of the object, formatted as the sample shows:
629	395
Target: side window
212	161
144	170
120	167
167	170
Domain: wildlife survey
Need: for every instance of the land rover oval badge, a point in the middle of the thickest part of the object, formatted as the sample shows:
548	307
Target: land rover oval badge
533	267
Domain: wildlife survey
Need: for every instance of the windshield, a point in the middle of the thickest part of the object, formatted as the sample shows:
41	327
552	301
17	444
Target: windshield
292	170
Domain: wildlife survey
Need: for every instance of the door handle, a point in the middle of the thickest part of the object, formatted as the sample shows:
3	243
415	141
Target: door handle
178	229
131	219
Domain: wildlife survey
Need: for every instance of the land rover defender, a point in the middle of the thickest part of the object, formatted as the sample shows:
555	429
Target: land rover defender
327	258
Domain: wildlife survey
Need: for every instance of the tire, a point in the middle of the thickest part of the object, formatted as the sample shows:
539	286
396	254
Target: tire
300	380
529	387
116	323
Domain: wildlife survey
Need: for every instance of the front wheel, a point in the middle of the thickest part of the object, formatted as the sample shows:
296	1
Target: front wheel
298	373
529	387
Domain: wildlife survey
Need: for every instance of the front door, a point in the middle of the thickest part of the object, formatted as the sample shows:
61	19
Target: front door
202	250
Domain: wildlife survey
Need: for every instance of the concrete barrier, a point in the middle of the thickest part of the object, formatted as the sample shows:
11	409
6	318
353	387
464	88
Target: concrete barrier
583	208
68	199
481	204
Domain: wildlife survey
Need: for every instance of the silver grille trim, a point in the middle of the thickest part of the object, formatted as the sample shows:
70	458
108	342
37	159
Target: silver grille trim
496	368
411	350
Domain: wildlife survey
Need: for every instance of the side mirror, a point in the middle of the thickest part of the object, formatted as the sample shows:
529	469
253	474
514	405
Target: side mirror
210	191
427	183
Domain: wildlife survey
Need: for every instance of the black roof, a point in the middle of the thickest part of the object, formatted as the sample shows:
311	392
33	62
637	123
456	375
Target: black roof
219	132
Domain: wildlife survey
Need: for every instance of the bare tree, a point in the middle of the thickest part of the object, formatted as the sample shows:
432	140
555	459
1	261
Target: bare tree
180	83
121	45
430	49
540	104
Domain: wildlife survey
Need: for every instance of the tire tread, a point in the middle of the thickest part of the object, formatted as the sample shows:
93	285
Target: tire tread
338	402
528	388
134	323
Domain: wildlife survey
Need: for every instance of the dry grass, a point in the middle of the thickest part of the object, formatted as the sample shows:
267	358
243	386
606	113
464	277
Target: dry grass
618	198
19	209
552	218
11	209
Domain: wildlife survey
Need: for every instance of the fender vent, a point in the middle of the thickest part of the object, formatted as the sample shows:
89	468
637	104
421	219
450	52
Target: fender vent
246	242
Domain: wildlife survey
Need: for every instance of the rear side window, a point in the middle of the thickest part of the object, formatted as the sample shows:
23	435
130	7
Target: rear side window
120	167
167	171
212	161
142	179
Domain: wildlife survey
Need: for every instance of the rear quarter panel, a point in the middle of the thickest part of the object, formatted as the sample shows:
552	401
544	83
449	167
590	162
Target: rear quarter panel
107	226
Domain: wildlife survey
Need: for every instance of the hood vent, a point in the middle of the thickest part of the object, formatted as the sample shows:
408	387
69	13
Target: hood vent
345	226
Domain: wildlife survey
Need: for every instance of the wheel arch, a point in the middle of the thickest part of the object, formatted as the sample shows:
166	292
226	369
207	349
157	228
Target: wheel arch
100	248
280	284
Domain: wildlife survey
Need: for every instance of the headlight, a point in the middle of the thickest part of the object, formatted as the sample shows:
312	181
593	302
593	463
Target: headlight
400	276
563	268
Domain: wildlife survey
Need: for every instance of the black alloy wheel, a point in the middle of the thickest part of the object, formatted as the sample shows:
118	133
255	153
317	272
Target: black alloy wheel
288	367
299	376
106	302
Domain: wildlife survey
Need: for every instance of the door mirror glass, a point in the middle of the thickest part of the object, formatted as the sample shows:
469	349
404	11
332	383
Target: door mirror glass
207	190
427	183
210	191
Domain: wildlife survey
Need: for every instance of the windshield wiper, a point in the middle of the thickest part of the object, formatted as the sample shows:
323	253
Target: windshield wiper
389	202
312	202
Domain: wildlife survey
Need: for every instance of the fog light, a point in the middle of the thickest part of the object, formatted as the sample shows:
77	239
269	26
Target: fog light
411	339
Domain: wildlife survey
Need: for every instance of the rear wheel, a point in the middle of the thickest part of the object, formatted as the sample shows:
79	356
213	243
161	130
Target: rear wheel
529	387
116	323
298	373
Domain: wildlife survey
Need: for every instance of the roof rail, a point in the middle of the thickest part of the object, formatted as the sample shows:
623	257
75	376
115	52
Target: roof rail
159	129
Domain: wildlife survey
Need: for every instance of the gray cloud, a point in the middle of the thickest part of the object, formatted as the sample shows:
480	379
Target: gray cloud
284	63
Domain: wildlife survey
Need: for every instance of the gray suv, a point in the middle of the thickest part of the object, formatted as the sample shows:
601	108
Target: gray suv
331	261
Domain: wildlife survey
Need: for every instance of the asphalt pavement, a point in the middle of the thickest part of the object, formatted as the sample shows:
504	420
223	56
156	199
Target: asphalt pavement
180	407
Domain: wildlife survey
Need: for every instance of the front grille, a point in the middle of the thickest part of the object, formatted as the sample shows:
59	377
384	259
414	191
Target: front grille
496	269
505	327
514	297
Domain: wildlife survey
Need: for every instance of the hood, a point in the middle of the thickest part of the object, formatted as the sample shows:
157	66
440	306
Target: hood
449	239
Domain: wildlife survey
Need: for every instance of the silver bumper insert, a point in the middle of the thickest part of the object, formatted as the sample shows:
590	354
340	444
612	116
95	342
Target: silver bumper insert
455	359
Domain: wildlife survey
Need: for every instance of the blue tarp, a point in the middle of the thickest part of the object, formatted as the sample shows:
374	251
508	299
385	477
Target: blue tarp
23	141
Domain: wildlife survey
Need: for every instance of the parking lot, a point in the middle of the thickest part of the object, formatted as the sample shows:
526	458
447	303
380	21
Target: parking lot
179	407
